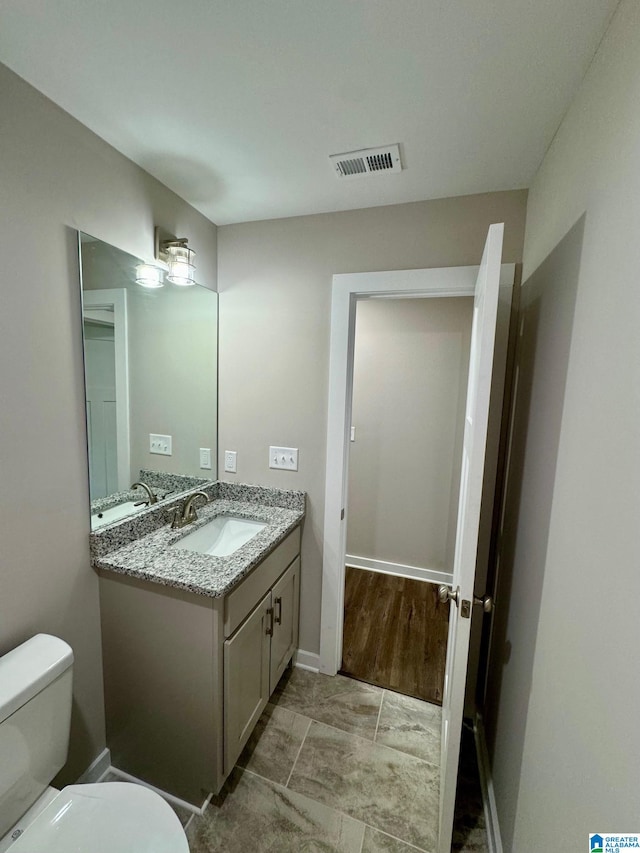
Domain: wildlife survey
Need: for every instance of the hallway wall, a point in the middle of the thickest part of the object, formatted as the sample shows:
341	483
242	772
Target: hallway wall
410	369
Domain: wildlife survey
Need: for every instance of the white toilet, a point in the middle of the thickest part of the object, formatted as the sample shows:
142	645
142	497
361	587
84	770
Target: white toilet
35	712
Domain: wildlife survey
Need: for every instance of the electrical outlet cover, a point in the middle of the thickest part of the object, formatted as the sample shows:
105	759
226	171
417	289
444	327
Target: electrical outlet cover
230	461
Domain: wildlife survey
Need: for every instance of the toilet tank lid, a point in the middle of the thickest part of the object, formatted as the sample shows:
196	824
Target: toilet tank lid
29	668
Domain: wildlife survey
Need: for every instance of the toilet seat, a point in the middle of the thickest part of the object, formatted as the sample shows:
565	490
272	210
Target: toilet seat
113	817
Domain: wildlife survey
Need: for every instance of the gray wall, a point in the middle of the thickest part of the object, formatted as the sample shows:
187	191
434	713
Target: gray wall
56	176
564	688
410	371
275	296
173	371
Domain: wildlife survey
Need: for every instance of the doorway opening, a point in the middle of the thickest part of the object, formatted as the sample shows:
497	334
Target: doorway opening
410	369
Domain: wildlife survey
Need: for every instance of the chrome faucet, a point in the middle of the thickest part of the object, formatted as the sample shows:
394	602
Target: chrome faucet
151	498
186	512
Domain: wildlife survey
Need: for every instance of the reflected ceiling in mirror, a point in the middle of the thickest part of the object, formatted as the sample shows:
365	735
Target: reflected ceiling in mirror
150	358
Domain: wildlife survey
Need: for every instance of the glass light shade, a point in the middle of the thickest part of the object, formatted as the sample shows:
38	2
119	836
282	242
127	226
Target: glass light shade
181	267
148	275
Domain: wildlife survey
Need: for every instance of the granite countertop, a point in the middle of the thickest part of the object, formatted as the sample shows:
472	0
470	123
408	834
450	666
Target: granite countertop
130	495
161	484
151	558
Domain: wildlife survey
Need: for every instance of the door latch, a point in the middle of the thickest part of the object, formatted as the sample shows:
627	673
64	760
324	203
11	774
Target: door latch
445	594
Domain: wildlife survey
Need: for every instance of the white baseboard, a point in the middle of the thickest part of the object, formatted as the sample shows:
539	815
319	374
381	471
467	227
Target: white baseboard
97	769
486	783
127	777
307	660
420	573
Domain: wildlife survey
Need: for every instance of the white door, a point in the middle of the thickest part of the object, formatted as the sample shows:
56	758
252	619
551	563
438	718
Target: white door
464	567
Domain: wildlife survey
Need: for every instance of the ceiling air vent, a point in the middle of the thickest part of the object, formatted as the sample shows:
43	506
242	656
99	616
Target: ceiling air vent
368	161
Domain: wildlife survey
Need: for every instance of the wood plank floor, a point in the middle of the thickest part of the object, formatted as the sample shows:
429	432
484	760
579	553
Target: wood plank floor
395	633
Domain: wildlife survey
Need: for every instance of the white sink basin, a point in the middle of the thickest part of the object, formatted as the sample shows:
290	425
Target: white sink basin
221	536
114	513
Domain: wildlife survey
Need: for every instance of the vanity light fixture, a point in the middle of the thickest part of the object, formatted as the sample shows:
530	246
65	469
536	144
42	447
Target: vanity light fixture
178	257
148	275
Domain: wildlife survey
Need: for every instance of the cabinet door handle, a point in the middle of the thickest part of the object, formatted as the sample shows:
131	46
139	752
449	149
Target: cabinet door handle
278	603
270	621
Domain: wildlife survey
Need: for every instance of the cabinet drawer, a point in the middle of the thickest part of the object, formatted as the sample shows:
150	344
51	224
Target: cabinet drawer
242	600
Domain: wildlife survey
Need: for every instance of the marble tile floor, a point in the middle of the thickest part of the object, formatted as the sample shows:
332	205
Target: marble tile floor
338	765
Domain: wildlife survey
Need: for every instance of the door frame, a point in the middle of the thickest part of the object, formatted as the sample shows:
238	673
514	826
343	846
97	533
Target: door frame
347	290
115	300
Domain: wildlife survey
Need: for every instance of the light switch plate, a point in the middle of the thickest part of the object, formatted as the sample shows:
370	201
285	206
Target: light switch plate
205	457
160	444
230	461
285	458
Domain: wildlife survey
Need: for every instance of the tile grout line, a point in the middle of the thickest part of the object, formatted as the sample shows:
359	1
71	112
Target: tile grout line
298	753
375	734
364	832
401	840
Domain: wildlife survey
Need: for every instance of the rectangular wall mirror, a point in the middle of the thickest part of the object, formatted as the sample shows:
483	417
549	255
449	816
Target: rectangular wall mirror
150	359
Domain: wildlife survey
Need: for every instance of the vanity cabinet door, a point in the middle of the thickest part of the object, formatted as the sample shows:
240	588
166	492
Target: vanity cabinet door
285	598
246	679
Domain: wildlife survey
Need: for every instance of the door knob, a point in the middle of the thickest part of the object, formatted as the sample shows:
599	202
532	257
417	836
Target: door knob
486	601
445	594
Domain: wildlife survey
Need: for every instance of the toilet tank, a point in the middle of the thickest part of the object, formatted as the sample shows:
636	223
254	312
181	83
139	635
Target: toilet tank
35	713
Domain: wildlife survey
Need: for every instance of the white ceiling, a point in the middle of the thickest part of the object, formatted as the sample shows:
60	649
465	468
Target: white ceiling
236	104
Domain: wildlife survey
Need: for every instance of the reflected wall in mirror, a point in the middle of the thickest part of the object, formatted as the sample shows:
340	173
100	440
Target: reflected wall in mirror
150	358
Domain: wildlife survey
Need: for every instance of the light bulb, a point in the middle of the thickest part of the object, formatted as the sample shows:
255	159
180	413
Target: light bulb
181	267
148	275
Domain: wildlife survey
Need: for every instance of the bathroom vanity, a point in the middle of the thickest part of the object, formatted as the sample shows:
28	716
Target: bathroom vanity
194	643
